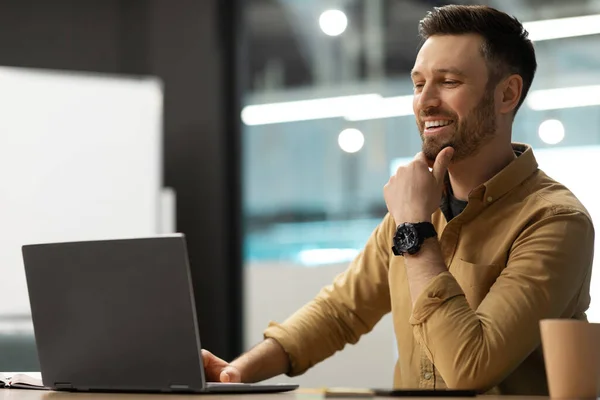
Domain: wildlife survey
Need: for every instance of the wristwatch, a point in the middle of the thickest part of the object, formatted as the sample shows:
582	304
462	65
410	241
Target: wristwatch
409	237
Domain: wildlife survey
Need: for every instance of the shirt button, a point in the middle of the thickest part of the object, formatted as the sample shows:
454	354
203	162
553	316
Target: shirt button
489	199
427	375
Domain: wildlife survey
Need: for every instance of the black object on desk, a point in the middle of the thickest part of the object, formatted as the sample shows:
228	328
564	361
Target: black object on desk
424	393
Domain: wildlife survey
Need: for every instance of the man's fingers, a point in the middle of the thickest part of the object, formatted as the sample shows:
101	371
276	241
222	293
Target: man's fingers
440	166
218	370
421	157
206	357
230	375
225	377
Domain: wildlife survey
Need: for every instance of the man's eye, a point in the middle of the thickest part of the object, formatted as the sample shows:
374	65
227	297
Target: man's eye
418	85
450	83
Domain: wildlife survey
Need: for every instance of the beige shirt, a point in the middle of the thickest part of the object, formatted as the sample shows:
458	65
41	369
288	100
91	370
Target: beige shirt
520	251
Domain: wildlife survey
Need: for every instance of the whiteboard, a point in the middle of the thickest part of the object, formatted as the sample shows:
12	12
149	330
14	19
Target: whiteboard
80	158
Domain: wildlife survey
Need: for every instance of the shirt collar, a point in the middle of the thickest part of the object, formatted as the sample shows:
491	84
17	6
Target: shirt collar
507	179
510	177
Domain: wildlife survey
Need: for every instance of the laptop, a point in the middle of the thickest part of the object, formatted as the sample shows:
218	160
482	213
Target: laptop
119	315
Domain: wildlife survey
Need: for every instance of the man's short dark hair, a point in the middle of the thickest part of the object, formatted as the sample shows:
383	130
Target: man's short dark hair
506	47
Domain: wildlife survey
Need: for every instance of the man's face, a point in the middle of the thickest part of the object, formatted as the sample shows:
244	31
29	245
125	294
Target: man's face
452	103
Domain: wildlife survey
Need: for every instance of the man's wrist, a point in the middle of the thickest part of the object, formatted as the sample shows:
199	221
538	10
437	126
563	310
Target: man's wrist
425	248
412	218
265	360
240	364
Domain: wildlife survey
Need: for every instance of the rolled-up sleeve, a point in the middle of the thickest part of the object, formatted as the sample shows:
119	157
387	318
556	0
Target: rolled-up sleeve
547	267
343	311
439	290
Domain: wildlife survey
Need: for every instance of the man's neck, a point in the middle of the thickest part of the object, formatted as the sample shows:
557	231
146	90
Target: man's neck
467	174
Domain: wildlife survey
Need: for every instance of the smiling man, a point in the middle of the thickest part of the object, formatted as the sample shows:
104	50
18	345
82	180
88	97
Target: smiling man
478	246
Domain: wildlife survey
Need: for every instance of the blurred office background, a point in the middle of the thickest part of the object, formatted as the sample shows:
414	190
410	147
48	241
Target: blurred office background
313	171
283	119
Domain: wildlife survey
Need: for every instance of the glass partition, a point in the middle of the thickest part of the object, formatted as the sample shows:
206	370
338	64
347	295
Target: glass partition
327	115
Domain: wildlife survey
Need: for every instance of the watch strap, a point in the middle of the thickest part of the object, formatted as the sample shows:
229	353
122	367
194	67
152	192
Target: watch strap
426	230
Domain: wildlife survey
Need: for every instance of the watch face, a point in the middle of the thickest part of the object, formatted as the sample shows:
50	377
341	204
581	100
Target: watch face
407	237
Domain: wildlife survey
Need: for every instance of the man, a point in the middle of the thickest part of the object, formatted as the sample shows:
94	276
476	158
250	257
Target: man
472	254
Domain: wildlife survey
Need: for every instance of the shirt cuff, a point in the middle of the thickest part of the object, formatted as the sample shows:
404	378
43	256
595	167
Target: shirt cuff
277	332
439	290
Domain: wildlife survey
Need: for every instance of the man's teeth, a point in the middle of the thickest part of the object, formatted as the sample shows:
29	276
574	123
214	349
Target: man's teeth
432	124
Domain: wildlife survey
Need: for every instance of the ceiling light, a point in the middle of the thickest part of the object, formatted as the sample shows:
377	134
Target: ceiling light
383	108
351	140
569	97
333	22
563	27
304	110
551	131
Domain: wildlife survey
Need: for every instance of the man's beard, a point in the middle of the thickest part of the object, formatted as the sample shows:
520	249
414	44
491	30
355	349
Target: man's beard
470	134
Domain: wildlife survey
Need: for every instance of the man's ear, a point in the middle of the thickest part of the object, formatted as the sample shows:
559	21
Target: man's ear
511	91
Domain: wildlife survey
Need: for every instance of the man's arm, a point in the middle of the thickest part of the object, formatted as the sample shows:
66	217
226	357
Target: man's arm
264	361
476	349
412	195
338	315
343	311
422	267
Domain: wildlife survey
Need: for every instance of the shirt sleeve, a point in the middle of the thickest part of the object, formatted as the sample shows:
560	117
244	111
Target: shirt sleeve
343	311
547	271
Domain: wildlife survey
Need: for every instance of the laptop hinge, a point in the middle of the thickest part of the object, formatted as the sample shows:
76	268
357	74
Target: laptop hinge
179	387
63	386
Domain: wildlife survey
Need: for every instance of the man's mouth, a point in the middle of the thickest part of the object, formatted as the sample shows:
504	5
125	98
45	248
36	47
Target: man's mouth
437	125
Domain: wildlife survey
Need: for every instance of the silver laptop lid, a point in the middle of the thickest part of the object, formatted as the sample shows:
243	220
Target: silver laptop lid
115	314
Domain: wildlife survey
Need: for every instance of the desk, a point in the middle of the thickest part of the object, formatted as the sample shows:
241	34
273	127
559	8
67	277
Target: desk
300	394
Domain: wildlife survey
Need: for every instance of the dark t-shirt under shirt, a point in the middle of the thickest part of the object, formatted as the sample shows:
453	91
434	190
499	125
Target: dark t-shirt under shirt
451	206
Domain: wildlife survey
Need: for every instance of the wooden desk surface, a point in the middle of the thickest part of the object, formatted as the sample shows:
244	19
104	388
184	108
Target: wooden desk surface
300	394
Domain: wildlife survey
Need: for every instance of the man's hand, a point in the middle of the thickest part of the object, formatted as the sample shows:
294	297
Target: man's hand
265	360
414	193
218	370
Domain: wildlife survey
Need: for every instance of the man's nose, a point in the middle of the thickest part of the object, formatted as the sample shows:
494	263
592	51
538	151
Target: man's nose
428	98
